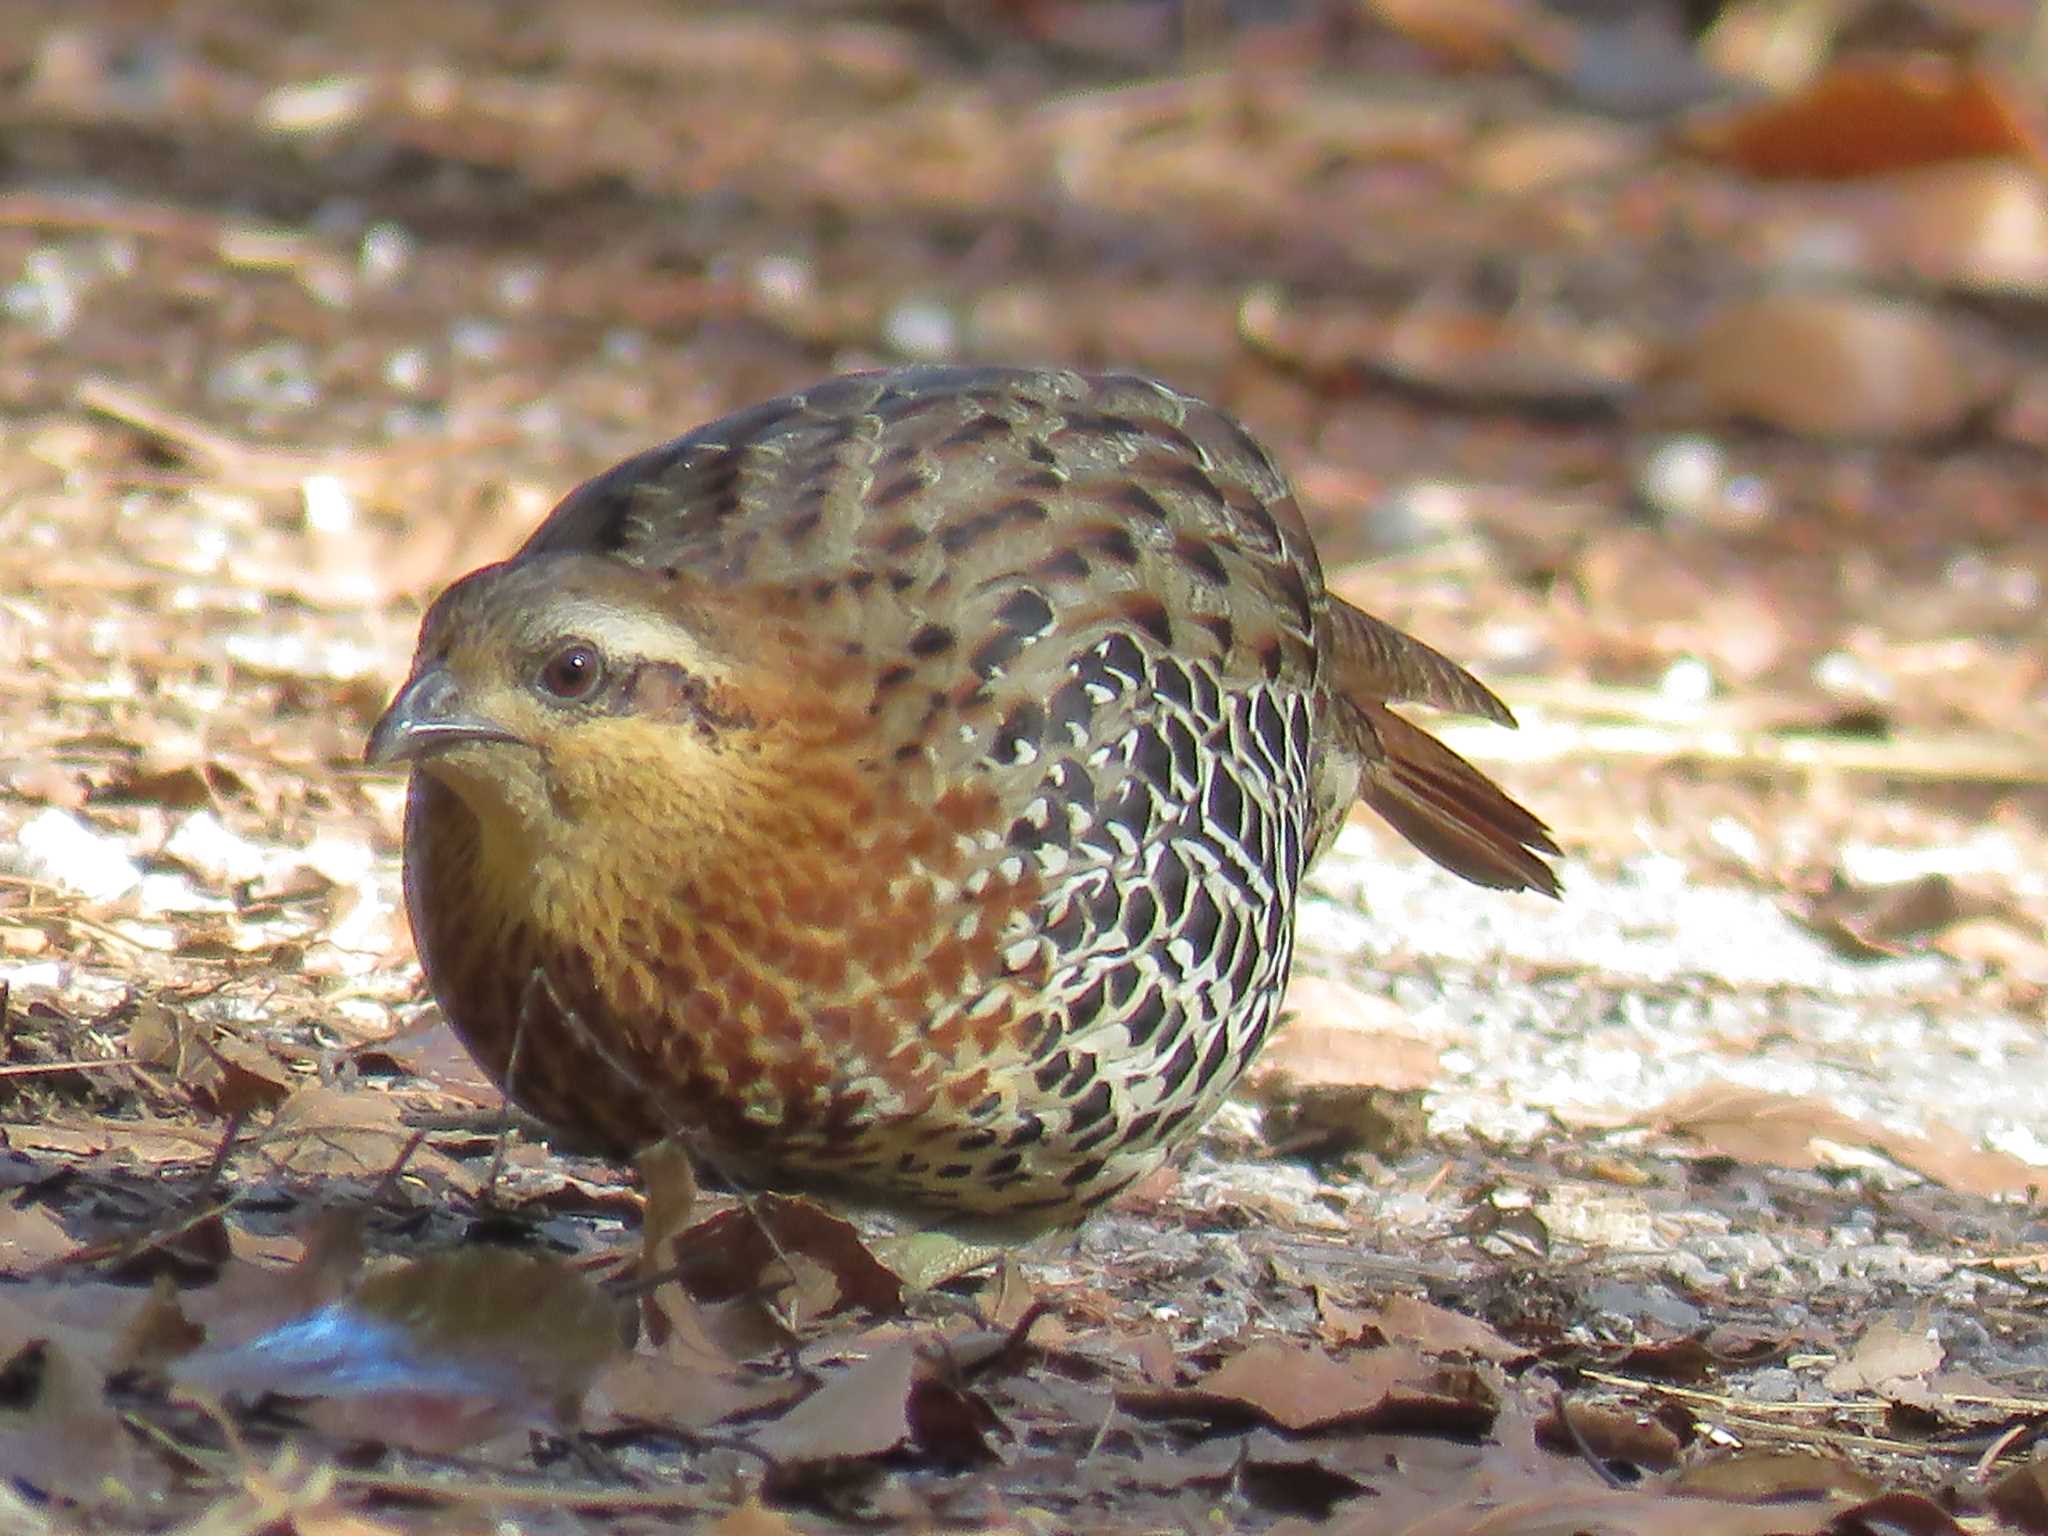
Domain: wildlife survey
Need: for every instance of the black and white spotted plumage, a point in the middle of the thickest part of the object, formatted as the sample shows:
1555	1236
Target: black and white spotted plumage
1013	708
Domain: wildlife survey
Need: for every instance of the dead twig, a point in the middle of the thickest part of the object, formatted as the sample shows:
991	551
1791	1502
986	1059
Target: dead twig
222	458
238	242
43	1068
215	454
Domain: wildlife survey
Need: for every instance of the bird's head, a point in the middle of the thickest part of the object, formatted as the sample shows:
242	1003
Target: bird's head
576	693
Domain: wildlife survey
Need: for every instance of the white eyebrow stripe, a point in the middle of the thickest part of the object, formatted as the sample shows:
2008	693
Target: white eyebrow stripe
623	634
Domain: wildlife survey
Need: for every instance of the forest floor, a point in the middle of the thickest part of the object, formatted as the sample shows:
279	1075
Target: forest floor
1709	433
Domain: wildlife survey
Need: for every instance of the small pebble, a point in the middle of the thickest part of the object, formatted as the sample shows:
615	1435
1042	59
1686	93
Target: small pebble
58	847
329	506
408	370
385	254
1850	677
783	282
923	330
48	295
2013	586
1681	478
1418	514
315	106
519	285
1737	839
277	376
625	346
1688	680
477	341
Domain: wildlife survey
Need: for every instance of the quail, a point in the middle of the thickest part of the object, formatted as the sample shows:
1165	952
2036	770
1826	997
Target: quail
903	787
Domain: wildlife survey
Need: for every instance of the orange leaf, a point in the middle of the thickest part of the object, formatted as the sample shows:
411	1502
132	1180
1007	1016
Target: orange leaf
1870	115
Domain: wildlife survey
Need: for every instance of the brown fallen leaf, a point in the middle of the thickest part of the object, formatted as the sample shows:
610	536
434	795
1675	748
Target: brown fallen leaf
1836	365
657	1390
164	778
2012	944
1869	115
1755	1125
733	1254
1609	1434
1774	1475
1886	1353
752	1519
227	1075
1295	1387
1338	1324
1151	1351
58	1438
1975	225
668	1174
146	1143
893	1398
30	1238
1469	355
86	1321
1523	159
2021	1495
1485	359
428	1050
1685	1358
1575	1510
1439	1331
1874	921
357	1132
1008	1296
1896	1512
1298	1387
1478	34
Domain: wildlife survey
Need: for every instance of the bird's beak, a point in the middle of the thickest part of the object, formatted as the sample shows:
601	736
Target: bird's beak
428	716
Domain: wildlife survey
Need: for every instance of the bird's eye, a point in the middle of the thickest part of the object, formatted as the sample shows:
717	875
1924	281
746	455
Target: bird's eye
573	672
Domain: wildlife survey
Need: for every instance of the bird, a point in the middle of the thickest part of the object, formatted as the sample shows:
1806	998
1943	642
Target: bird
902	788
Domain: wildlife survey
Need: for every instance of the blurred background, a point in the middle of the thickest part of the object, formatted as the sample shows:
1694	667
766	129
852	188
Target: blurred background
1664	347
1673	364
1676	366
